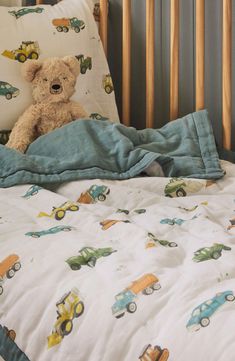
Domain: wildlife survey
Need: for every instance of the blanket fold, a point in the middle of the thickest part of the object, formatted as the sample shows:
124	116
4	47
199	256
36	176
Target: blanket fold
88	149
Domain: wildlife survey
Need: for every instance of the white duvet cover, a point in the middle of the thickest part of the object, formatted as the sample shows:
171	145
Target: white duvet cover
136	269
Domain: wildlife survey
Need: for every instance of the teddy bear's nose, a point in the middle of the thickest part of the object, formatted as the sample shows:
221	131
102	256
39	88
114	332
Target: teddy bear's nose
56	86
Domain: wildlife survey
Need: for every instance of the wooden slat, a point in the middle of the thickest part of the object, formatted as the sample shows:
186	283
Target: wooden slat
38	2
200	54
103	29
126	61
227	74
174	60
150	63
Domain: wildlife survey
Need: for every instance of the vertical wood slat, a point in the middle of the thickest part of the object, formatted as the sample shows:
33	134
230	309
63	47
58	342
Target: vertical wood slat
227	74
126	61
103	28
150	63
200	55
38	2
174	60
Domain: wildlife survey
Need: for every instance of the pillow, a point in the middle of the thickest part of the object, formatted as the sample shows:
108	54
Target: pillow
67	28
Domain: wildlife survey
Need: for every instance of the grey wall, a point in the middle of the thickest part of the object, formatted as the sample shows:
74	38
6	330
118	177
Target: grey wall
213	33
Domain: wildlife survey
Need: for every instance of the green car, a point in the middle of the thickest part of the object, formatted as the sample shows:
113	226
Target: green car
25	11
88	257
162	242
206	253
8	91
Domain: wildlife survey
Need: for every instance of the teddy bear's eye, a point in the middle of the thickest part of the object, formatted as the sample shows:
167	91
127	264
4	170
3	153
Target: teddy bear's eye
65	78
45	79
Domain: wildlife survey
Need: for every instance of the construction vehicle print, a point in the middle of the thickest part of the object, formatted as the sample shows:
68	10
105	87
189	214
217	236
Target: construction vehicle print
97	116
179	187
88	257
59	212
107	223
8	267
24	11
32	191
94	194
85	63
194	207
153	241
69	307
232	224
9	350
65	24
27	50
213	252
125	300
107	83
154	353
8	91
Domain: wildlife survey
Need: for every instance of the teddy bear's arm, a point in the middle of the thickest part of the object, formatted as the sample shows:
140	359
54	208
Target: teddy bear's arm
77	111
24	130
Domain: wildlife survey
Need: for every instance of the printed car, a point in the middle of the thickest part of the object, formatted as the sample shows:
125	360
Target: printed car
178	187
94	194
25	11
200	316
32	191
97	116
8	91
154	240
59	212
88	257
207	253
49	231
173	221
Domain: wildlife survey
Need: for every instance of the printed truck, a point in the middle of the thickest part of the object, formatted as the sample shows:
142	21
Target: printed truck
200	316
59	212
206	253
107	223
69	307
97	116
107	83
93	194
178	187
9	350
126	300
8	91
88	257
154	353
27	50
25	11
52	230
8	267
85	63
65	24
232	224
154	240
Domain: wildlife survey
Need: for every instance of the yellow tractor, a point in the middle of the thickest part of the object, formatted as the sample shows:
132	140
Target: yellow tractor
27	50
69	307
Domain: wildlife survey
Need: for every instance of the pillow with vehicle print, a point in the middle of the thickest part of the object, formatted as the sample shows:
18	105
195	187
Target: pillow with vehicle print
43	31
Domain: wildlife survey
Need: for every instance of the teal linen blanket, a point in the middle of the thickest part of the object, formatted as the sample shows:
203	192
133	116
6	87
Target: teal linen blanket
88	149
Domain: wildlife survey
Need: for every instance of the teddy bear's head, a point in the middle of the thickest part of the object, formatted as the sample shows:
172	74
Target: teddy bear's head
53	80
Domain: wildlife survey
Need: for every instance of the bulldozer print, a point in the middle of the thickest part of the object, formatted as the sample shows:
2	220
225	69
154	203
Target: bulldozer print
27	50
108	83
59	212
8	267
85	63
69	307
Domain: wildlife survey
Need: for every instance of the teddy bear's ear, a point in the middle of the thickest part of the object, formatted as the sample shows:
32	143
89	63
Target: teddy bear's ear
73	64
30	68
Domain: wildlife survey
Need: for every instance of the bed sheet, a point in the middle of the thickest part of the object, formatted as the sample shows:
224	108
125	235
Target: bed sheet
98	270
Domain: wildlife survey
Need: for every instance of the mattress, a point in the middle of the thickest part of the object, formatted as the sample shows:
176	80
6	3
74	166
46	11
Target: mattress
105	270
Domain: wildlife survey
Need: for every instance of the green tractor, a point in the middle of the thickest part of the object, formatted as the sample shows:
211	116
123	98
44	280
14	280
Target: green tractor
88	257
207	253
84	63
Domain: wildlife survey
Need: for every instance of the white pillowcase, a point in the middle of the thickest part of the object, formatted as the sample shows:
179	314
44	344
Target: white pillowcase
44	27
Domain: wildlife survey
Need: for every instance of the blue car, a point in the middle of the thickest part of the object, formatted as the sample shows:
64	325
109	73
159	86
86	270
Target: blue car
49	231
32	191
172	221
200	316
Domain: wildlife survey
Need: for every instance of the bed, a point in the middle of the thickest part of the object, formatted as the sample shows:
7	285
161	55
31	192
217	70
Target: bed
133	267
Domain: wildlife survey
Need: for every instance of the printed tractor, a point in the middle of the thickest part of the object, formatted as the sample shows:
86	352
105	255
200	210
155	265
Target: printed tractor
93	194
64	24
69	307
154	353
8	267
27	50
125	301
59	212
108	83
84	63
178	187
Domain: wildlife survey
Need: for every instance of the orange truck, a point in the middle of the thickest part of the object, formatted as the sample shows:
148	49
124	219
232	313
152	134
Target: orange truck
125	300
154	353
8	267
64	24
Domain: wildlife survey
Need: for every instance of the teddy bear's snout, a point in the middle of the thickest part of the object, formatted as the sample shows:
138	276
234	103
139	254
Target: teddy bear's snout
56	87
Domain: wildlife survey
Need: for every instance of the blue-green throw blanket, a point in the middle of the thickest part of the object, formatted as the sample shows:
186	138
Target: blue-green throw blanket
87	149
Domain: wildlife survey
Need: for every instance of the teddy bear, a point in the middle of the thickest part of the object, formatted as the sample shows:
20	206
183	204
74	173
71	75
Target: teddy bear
53	83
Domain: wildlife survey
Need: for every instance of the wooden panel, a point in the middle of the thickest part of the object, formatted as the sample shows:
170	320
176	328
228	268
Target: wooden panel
38	2
227	74
104	24
174	60
200	54
150	63
126	61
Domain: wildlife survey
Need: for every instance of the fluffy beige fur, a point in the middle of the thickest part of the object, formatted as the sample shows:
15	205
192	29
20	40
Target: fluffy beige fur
53	82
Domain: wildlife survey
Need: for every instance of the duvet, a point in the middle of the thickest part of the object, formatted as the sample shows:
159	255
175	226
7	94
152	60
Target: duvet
104	270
